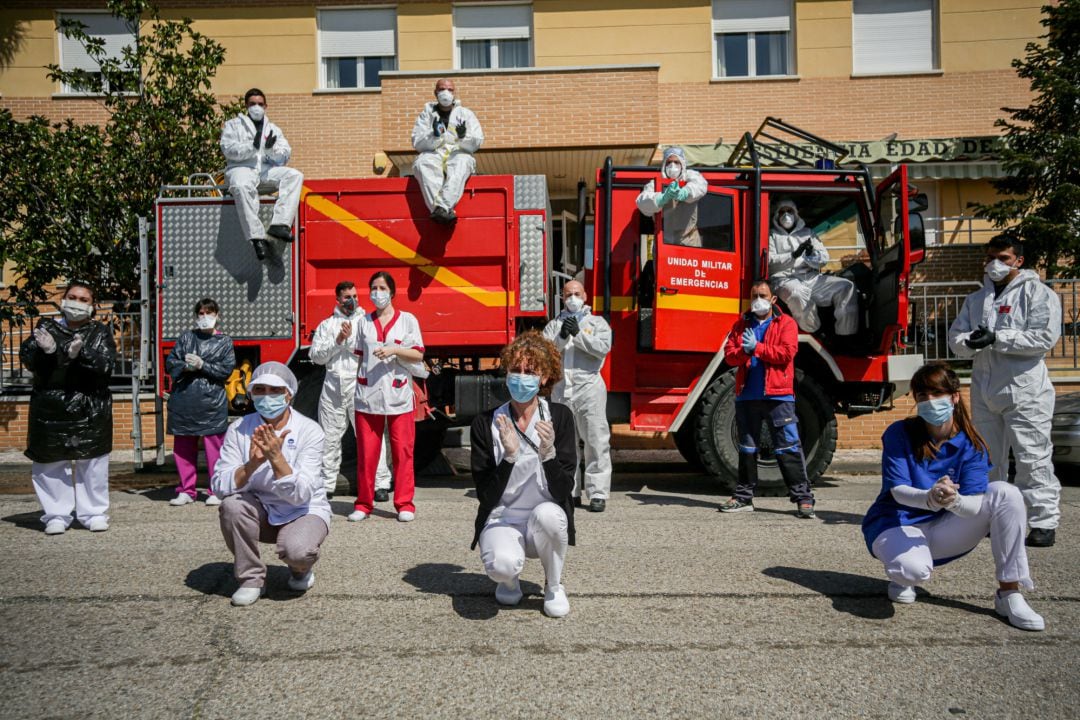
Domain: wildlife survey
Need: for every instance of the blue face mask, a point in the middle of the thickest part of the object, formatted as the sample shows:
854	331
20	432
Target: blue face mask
523	386
270	406
936	411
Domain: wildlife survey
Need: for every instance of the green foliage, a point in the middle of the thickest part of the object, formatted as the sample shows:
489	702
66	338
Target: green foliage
1041	196
72	193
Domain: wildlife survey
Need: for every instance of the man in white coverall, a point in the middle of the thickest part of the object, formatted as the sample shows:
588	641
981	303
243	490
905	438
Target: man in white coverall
333	346
796	257
446	135
678	200
257	153
584	340
1009	326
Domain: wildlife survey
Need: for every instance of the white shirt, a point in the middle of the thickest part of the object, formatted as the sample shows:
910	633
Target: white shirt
527	486
285	499
339	358
384	387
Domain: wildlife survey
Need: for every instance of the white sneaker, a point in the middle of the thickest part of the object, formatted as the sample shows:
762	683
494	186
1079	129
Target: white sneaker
302	583
98	524
56	526
357	516
213	500
901	593
181	499
556	604
247	596
508	594
1012	605
406	516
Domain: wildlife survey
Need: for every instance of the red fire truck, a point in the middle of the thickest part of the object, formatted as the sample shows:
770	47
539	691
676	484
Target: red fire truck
476	284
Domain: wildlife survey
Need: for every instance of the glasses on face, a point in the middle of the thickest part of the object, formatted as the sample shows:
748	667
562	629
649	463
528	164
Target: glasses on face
267	390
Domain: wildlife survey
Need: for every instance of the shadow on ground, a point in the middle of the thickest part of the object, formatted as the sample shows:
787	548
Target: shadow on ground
472	595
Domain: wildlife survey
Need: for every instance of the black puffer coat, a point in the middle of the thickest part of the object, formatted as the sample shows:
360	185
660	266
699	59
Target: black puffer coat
71	404
197	404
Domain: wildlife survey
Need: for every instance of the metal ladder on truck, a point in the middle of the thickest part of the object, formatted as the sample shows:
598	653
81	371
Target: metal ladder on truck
143	371
780	144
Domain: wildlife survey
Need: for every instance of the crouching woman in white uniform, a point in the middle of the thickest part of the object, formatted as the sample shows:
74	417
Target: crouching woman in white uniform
269	478
936	504
523	458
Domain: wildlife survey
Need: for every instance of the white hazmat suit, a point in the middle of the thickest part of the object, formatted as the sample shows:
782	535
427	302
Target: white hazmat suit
445	161
336	403
1012	399
680	216
249	167
583	391
798	281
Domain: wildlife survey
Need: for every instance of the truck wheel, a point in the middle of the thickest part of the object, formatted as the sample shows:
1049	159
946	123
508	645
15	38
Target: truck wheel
686	442
717	439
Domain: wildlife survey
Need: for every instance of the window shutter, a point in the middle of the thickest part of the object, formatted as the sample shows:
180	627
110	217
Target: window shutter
357	32
493	22
892	35
730	16
114	30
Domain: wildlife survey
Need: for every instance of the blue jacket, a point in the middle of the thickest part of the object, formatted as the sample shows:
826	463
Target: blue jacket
197	404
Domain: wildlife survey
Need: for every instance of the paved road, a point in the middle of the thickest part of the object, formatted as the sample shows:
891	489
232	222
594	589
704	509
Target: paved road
676	611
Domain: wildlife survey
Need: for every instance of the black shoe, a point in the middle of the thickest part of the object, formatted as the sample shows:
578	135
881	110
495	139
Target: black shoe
439	215
805	510
597	505
451	217
577	501
382	495
329	496
1040	537
281	232
260	248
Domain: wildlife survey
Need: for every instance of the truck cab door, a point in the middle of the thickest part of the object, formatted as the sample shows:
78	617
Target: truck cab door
893	258
697	273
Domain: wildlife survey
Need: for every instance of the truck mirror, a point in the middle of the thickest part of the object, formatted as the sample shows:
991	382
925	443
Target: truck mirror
918	203
916	237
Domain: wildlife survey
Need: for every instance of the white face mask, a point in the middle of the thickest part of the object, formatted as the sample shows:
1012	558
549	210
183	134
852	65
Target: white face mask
381	298
256	112
761	307
446	98
206	322
574	304
75	311
997	270
786	220
672	170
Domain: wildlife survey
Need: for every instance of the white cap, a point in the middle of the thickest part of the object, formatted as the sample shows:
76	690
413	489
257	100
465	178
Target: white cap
274	374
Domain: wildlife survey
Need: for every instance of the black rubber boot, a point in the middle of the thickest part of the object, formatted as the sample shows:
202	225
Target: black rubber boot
281	232
260	248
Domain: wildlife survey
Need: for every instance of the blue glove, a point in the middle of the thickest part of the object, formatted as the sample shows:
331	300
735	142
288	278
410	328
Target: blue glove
683	193
749	341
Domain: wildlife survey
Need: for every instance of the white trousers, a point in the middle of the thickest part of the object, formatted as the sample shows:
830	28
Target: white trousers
909	552
443	182
244	186
1021	421
335	414
588	402
79	486
803	296
539	533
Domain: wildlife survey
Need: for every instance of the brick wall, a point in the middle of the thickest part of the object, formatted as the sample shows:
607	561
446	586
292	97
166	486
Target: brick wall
14	415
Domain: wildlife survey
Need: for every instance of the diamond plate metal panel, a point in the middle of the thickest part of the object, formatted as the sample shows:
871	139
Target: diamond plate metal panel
531	252
204	254
530	192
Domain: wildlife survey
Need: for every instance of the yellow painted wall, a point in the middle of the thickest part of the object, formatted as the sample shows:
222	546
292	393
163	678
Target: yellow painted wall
425	36
986	34
675	34
35	48
823	38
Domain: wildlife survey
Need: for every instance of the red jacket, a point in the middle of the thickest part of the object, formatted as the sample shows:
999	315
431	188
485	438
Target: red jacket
777	351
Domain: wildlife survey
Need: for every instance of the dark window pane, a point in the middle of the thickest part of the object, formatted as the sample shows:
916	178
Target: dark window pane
715	224
372	66
513	53
347	72
475	54
734	55
770	53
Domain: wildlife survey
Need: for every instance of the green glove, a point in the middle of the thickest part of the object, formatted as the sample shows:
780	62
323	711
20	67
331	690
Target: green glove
669	194
682	194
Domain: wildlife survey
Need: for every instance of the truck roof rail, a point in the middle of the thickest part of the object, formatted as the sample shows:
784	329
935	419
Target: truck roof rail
197	185
779	143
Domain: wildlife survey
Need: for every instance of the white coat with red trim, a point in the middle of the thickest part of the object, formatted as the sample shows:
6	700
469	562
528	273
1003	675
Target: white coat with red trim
384	387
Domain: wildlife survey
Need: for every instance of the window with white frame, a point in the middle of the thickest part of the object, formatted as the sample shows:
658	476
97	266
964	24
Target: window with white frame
493	36
355	44
752	38
116	34
893	36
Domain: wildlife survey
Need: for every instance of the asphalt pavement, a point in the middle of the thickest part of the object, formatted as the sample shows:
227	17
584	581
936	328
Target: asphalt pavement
676	611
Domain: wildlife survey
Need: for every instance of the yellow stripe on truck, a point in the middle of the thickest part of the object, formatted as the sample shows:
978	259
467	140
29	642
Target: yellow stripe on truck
698	303
399	251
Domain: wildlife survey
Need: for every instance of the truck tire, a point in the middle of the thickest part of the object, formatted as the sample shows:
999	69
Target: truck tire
716	436
686	441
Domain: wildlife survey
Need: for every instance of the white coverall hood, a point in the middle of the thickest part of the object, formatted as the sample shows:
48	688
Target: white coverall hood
779	210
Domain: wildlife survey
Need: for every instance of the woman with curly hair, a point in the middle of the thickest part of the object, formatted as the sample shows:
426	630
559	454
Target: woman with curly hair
523	458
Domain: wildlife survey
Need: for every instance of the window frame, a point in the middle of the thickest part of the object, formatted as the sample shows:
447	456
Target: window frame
321	79
493	50
60	14
935	48
790	70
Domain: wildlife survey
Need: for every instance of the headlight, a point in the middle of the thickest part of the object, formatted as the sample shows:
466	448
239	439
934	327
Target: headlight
1064	420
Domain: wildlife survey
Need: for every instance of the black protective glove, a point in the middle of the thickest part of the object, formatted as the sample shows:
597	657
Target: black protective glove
437	125
270	140
806	246
461	130
570	327
258	138
982	337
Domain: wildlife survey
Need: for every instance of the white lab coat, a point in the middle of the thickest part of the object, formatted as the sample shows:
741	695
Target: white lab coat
445	162
1012	399
384	387
583	391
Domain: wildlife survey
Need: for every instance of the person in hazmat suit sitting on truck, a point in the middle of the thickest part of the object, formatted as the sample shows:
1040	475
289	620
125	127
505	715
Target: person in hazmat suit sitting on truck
796	257
445	137
682	188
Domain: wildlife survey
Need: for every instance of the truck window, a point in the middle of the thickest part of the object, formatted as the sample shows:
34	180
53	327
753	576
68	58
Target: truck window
710	230
834	218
